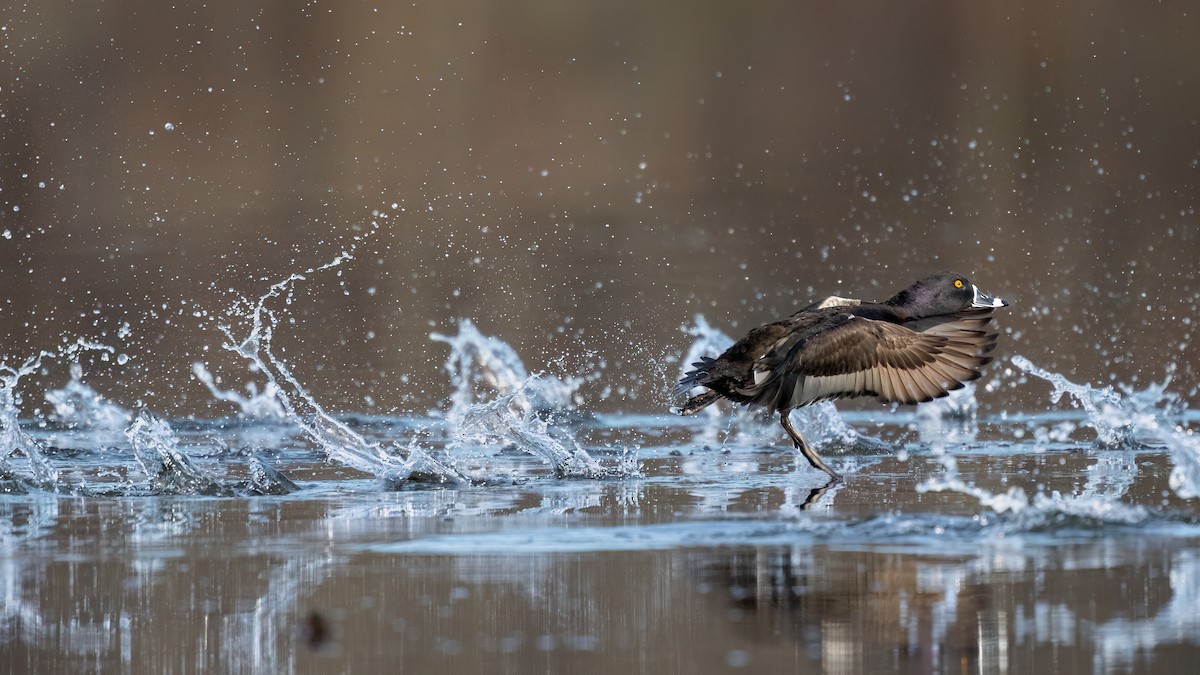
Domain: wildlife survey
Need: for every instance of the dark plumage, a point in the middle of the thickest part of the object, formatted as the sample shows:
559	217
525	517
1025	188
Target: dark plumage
921	344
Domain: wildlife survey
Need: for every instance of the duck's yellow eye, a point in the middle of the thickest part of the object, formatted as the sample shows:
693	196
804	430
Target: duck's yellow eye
958	283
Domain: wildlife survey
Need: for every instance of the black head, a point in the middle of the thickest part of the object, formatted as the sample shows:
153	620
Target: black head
942	293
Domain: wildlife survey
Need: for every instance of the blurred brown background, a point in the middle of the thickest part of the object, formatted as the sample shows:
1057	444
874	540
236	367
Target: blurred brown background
581	179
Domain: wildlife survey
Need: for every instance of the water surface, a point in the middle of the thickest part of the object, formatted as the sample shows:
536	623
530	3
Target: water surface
572	542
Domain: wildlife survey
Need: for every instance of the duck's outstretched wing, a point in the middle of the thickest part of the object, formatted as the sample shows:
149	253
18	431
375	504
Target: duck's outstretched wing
855	356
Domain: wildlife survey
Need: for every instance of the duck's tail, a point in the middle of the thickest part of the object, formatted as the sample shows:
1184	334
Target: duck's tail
696	377
696	403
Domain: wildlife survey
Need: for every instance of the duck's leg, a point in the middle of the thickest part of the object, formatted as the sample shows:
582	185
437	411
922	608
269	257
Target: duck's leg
817	493
803	446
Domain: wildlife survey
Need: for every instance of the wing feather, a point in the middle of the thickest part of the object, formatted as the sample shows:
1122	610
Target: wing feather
855	356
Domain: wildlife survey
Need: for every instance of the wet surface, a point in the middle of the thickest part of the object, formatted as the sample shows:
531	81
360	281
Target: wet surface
712	556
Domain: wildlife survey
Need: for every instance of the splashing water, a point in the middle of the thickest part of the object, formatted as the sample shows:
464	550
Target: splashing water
13	439
262	405
1098	501
1122	424
1102	406
951	480
266	480
953	417
79	406
824	426
513	418
1185	475
1133	419
339	442
477	359
170	470
514	415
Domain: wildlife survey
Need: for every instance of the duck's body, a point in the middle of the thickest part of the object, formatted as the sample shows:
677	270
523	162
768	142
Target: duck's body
921	344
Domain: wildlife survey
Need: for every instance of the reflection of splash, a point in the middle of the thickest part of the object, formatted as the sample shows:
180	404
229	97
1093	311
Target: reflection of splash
477	359
924	613
251	639
1120	641
217	582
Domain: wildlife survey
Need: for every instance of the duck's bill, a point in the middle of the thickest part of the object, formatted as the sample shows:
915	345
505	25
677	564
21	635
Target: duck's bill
983	300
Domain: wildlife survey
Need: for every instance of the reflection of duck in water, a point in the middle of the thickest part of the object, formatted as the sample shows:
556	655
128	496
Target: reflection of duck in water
919	345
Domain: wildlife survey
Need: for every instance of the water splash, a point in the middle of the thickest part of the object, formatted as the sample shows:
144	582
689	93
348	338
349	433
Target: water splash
1123	423
170	470
337	440
953	417
481	365
513	418
257	405
823	426
1099	501
267	480
710	342
79	406
1101	406
1185	475
1015	499
13	439
11	483
479	361
1132	419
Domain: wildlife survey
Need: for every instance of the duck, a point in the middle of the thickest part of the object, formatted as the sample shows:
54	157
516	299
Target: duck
920	344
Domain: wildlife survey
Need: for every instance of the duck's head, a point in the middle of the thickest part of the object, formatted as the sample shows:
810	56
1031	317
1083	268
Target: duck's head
943	293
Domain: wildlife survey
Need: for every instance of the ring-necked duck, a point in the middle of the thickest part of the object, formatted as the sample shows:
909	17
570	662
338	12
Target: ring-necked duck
922	343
